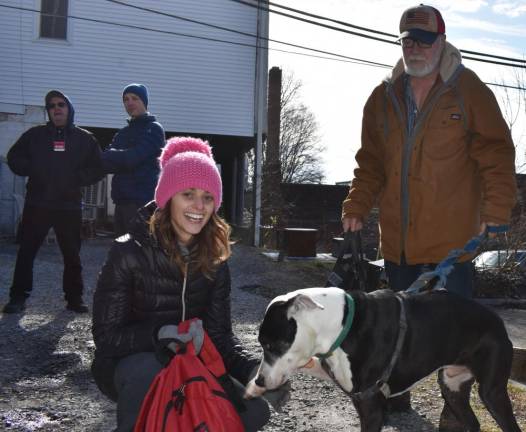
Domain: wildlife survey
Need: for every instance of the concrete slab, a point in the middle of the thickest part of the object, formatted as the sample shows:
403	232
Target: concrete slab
515	321
320	257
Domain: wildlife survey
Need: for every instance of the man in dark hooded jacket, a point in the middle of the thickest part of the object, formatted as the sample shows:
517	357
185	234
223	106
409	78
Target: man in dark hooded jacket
58	158
132	158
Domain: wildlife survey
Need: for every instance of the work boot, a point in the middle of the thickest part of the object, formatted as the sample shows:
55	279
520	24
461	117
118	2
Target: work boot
15	305
400	403
77	305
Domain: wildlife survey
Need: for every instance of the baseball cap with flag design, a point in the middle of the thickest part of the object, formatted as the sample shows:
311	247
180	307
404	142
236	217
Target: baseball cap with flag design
422	23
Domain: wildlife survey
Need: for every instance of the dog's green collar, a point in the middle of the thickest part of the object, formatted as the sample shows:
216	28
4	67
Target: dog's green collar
345	331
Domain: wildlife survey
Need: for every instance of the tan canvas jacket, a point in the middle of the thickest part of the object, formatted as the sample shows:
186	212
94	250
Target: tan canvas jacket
460	168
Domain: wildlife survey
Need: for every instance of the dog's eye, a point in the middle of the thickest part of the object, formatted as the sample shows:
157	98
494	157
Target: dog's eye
267	347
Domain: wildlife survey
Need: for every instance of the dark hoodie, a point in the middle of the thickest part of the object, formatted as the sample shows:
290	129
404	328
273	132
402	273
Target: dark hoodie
56	171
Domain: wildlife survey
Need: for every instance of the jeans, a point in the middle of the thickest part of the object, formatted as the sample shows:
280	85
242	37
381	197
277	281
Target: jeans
459	281
35	224
133	377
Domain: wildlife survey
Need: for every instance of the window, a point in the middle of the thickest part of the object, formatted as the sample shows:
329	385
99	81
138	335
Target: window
53	19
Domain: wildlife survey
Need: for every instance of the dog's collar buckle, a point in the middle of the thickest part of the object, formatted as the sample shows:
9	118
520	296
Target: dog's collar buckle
384	388
380	387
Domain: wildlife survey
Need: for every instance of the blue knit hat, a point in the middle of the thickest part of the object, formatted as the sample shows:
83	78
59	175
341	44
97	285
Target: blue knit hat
139	90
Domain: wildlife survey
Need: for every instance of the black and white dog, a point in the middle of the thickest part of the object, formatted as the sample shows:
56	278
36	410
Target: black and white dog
374	360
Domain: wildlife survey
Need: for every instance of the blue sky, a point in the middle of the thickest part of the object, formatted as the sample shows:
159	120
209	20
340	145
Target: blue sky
337	91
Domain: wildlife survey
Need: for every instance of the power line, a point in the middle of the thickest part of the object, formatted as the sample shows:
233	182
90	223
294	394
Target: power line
346	24
340	57
377	31
493	56
122	3
494	62
288	43
131	26
258	6
506	86
344	58
330	27
218	27
358	62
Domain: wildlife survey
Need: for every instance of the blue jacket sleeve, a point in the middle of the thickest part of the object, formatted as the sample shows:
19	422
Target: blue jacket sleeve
125	160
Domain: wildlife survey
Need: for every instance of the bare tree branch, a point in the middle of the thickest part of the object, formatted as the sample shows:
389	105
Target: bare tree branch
513	106
300	146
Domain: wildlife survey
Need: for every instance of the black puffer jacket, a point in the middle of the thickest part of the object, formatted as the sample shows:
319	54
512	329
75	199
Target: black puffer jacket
139	289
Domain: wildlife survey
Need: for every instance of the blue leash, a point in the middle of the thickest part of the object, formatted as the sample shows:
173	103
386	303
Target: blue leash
445	267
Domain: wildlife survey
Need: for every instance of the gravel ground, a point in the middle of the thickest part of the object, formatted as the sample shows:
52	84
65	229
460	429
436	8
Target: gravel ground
45	383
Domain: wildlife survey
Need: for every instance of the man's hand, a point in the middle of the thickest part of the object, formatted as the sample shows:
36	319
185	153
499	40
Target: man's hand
352	223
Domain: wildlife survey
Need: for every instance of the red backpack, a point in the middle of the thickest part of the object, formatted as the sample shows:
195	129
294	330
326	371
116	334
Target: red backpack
186	395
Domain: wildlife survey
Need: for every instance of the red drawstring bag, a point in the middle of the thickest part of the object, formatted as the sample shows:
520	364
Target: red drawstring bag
186	396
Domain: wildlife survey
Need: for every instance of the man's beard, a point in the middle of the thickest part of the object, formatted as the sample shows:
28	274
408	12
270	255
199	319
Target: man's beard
420	70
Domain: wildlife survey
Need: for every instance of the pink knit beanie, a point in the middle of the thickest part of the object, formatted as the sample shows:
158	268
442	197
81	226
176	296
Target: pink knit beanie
186	163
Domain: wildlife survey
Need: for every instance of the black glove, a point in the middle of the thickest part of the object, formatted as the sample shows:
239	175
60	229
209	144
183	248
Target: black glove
163	352
278	397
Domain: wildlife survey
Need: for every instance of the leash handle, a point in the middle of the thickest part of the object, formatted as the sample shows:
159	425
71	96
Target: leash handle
352	242
445	266
335	279
347	240
357	259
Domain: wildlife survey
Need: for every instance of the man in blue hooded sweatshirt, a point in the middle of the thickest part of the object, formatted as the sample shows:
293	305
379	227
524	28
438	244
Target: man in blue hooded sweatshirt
58	158
132	158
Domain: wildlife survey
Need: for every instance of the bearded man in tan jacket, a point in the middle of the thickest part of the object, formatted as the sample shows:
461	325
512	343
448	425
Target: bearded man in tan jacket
436	157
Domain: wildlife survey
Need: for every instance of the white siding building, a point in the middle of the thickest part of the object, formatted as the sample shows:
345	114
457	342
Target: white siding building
199	59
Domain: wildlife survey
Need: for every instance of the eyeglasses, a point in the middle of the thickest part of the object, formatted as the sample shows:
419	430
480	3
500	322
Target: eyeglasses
410	43
58	104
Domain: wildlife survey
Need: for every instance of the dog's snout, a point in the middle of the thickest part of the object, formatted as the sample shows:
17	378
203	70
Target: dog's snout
260	381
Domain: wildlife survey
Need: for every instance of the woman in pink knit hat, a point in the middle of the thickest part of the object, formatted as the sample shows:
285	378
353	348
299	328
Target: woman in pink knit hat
171	267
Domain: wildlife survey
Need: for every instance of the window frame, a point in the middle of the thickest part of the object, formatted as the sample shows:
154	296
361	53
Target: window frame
52	37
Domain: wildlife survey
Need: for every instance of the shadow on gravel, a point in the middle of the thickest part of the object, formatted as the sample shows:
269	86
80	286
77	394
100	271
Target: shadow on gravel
411	420
32	363
33	331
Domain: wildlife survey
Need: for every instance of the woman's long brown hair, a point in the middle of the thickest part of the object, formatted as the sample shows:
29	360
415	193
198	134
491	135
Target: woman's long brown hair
213	242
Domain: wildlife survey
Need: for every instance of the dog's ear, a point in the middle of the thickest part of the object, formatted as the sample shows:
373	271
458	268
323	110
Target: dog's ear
303	302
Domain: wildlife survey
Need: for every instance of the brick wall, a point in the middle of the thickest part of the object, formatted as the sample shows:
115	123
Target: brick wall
320	206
